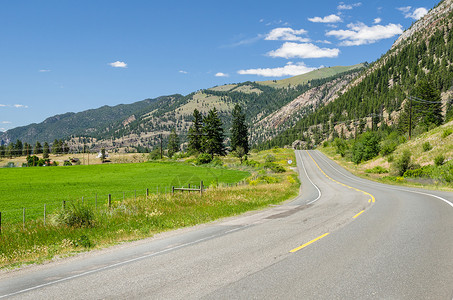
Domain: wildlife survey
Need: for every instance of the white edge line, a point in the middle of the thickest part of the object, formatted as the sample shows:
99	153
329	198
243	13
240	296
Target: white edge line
364	181
305	170
114	265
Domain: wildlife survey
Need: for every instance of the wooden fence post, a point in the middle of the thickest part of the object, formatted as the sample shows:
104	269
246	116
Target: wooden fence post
147	193
23	218
201	188
64	204
110	200
0	222
44	215
172	190
96	201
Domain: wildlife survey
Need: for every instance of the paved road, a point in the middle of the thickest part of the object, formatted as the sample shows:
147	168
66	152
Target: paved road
331	242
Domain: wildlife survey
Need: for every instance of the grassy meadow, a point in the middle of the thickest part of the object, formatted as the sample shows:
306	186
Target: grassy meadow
79	227
31	188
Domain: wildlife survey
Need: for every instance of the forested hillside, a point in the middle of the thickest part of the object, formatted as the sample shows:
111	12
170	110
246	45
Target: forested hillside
378	96
139	126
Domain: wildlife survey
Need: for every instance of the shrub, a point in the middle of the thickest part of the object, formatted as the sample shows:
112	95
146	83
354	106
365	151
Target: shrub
427	146
341	146
269	158
367	147
377	170
83	241
251	163
439	160
67	163
154	155
402	164
274	167
204	158
216	161
76	215
388	147
447	132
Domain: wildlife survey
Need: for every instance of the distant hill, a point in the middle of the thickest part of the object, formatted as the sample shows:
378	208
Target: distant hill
316	74
140	124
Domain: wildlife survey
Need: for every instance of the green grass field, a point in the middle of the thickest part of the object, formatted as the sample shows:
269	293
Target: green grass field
31	188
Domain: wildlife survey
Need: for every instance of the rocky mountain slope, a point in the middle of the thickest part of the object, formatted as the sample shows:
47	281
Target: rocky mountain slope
139	125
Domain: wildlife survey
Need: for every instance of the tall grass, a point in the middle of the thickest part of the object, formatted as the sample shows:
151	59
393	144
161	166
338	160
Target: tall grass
133	219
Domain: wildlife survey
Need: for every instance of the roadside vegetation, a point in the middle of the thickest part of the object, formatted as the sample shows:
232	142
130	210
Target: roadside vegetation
80	226
424	161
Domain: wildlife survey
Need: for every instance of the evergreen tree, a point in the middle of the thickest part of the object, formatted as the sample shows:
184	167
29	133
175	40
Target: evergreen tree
449	114
65	148
18	148
173	143
27	149
239	130
212	141
38	148
428	109
45	151
195	133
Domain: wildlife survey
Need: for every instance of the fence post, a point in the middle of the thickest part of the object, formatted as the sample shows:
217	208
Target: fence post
110	200
123	196
0	222
172	190
135	194
82	200
23	218
147	193
201	188
44	215
64	204
96	201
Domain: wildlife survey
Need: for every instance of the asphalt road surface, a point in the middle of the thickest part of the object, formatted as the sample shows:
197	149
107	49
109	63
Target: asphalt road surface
342	238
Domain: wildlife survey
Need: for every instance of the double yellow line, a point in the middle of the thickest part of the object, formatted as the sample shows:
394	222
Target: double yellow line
372	199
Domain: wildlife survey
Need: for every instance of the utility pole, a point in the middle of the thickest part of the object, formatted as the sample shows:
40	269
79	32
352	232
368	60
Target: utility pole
410	117
161	151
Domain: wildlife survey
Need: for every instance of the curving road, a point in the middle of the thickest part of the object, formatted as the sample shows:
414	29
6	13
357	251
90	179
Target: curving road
342	238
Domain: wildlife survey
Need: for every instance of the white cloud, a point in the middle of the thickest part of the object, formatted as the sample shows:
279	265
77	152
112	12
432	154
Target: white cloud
5	122
20	106
413	13
361	34
3	105
44	71
377	21
286	34
118	64
182	72
326	19
307	50
289	69
324	42
220	74
343	6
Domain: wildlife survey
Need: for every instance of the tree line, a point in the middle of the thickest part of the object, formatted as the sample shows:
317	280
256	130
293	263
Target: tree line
25	149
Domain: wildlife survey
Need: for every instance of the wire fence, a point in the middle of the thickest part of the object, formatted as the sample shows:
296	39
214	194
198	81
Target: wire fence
96	201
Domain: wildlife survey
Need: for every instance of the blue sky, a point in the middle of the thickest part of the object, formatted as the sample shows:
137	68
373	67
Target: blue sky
67	56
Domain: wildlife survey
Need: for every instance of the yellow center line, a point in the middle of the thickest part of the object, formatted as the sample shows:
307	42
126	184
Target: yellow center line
358	214
310	242
358	190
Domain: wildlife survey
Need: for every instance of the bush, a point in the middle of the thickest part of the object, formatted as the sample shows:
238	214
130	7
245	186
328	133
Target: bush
203	158
447	132
367	147
341	146
154	155
274	167
403	163
76	215
269	158
377	170
83	241
388	147
216	161
427	146
67	163
439	160
251	163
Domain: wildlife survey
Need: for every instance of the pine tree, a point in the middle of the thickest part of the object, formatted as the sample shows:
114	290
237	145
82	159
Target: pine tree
195	133
239	130
45	151
38	148
173	143
212	140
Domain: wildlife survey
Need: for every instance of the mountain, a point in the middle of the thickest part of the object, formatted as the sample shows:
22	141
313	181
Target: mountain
424	52
140	124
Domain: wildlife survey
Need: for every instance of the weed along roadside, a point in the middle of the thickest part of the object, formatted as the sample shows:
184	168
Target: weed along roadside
81	226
